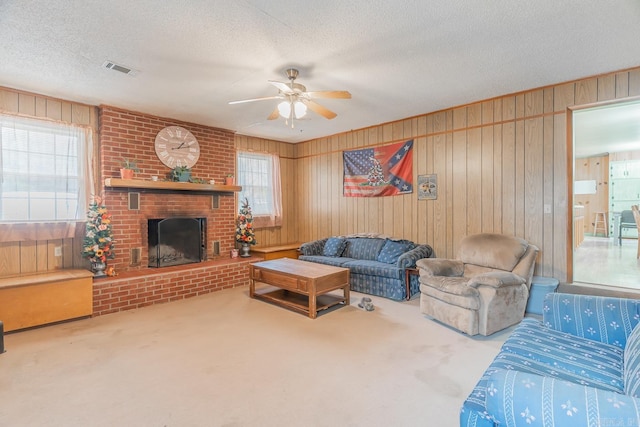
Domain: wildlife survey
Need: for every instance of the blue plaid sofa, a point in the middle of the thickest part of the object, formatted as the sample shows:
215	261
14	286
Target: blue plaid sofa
376	265
579	366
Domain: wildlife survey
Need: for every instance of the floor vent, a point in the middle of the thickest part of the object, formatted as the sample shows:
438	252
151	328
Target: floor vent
110	65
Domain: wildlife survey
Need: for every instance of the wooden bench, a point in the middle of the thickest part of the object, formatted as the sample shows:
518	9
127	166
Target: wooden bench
38	299
289	250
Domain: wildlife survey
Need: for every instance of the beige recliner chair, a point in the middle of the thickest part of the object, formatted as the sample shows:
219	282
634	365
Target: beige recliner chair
485	289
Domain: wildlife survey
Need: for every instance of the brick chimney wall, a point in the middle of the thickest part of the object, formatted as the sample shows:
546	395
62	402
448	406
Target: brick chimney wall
127	134
131	135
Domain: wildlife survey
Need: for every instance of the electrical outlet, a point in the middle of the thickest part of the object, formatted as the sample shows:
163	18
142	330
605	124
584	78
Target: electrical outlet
547	208
57	251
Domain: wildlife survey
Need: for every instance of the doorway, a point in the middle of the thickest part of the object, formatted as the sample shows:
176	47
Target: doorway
604	145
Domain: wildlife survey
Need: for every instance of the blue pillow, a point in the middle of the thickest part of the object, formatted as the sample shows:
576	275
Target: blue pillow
392	250
334	246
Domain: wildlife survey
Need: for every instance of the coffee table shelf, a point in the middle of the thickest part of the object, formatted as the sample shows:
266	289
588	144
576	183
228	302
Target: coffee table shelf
299	285
295	301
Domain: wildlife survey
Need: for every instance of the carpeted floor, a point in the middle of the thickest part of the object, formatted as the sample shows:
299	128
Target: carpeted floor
224	359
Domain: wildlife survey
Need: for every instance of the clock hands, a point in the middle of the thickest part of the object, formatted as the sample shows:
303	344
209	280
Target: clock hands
179	146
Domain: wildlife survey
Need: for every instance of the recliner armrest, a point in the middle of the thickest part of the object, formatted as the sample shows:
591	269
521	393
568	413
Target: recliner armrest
440	267
496	279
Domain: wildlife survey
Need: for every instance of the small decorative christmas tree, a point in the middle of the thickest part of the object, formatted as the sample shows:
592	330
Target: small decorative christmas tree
98	241
244	225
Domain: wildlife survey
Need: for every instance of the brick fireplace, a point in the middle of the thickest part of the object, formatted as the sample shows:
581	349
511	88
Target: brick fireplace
131	135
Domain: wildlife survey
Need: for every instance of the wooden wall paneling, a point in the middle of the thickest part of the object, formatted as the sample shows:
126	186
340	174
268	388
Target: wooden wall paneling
54	109
634	82
53	262
563	97
41	106
65	111
449	188
67	254
81	114
622	84
459	188
508	178
606	87
473	179
27	104
423	154
487	196
546	257
42	255
28	257
561	199
497	178
534	181
519	205
586	91
9	101
9	258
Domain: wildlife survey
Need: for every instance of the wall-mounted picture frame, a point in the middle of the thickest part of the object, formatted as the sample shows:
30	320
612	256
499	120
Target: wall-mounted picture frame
427	187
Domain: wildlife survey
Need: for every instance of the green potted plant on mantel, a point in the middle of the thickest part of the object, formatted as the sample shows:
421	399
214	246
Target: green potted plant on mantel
229	179
128	169
181	174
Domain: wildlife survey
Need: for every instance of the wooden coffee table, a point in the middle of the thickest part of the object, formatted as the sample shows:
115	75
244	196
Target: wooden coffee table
301	285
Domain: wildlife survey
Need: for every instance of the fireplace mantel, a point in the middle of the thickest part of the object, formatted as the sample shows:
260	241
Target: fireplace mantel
169	185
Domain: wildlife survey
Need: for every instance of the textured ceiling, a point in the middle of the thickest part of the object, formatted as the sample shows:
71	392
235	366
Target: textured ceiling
397	58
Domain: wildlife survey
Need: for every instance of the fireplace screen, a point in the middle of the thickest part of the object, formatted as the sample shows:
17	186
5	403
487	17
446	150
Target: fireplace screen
176	241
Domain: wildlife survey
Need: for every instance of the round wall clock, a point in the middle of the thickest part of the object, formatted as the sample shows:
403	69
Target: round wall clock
176	146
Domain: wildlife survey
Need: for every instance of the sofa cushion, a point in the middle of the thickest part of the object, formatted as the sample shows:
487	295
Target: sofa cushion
334	247
392	250
336	261
363	248
492	250
632	364
543	351
374	268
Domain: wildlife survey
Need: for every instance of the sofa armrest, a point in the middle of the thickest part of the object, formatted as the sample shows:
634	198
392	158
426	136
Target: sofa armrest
408	259
496	279
604	319
315	247
440	267
522	399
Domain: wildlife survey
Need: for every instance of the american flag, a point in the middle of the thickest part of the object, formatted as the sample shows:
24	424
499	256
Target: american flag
380	171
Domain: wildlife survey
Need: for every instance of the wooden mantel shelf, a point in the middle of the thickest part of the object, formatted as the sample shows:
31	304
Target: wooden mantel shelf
169	185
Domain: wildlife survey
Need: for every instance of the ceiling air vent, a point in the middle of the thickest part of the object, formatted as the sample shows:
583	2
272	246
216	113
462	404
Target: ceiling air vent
121	68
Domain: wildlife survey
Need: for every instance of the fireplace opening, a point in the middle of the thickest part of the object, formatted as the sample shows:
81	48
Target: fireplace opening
176	241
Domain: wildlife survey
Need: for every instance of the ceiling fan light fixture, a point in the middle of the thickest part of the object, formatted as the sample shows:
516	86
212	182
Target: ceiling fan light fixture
284	108
299	109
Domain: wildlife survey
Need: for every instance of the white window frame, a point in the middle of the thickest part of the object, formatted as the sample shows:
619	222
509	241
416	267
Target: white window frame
51	189
259	176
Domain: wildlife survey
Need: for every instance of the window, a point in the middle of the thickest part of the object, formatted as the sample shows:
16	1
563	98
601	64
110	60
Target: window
259	176
42	170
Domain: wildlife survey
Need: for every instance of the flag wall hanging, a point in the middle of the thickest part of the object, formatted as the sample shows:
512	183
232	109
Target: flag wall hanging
379	171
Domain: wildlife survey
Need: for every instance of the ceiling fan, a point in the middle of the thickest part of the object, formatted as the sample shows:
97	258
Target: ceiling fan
296	99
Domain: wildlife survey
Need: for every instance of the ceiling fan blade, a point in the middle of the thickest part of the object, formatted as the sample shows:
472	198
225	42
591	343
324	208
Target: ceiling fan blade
317	108
335	94
274	114
255	99
282	87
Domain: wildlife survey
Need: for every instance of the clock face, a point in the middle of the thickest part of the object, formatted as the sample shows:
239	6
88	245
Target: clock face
176	146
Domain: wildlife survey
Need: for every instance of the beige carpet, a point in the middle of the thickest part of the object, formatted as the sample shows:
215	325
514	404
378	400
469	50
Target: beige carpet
226	360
